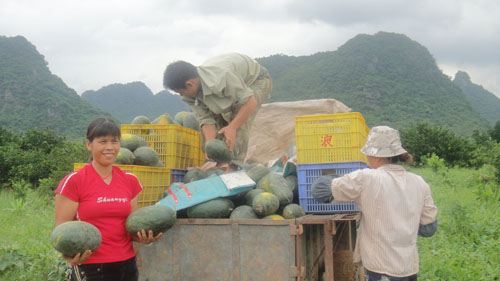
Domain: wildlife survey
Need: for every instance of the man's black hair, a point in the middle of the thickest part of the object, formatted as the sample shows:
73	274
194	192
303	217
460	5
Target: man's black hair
177	73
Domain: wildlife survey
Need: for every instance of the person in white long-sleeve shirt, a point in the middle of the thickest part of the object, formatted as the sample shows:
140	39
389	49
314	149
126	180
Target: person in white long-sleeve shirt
396	206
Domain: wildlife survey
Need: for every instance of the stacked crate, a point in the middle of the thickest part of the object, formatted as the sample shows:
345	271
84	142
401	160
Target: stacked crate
177	146
328	144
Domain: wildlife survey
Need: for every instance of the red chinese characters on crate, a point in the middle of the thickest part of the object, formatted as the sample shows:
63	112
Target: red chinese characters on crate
331	138
326	141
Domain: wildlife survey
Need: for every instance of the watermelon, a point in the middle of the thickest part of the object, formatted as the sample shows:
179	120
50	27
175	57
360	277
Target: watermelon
146	156
243	212
73	237
257	172
269	181
277	185
164	119
159	164
284	194
218	151
141	120
157	218
142	142
274	218
215	208
292	181
265	204
132	142
190	121
125	157
250	195
292	211
238	198
179	117
194	174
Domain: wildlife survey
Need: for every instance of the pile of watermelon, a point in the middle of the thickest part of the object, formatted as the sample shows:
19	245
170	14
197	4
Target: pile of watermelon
182	118
136	151
272	198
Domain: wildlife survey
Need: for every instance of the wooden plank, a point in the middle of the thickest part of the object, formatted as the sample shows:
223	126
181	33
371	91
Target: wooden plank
328	255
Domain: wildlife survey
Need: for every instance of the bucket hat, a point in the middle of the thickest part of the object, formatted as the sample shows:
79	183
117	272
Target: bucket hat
383	141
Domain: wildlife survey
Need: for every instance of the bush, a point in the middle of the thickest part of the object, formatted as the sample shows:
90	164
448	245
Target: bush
424	140
6	136
495	132
434	162
37	155
485	153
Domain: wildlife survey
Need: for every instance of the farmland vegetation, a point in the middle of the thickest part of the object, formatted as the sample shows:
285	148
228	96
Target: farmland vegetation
465	188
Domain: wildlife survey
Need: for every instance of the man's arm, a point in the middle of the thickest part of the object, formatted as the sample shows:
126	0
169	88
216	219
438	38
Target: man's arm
209	131
241	117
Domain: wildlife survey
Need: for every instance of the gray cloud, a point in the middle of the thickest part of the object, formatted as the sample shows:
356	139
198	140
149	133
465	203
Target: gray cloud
93	43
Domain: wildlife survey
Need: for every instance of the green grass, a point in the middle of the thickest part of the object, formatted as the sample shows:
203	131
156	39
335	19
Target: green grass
25	250
466	246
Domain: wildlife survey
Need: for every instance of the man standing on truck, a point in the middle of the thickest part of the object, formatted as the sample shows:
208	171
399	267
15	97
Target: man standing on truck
225	93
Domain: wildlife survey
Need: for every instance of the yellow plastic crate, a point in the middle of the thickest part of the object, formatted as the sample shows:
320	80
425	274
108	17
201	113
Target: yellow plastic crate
178	147
154	181
330	138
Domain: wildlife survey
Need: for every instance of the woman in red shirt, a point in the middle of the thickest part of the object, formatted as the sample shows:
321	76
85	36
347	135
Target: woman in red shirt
104	196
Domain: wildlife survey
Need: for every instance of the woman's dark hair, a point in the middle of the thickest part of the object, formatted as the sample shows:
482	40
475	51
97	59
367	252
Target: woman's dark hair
405	158
177	73
102	127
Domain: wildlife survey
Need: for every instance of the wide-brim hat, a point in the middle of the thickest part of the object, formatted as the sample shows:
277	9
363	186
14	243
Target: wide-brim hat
383	141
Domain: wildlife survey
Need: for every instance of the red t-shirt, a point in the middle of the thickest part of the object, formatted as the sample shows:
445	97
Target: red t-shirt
104	206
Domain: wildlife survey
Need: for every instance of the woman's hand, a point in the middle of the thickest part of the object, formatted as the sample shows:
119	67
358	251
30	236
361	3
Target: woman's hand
148	238
78	258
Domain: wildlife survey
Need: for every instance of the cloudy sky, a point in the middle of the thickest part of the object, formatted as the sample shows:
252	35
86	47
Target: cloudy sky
94	43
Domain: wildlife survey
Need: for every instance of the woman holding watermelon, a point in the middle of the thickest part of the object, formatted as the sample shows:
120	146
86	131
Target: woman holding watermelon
103	195
396	206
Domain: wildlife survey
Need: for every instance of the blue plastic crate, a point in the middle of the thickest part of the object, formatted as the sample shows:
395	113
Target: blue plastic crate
177	175
308	173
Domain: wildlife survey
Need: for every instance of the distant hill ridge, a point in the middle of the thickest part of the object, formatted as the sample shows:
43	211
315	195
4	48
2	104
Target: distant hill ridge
485	102
31	96
389	78
126	101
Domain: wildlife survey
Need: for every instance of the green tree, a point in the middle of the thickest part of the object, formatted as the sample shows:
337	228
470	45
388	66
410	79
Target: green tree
36	155
424	139
6	136
495	132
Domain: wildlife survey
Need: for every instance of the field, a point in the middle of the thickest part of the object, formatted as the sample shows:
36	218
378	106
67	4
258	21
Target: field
466	246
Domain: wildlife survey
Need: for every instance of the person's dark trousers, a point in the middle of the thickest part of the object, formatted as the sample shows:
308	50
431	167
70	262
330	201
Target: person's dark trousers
114	271
373	276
